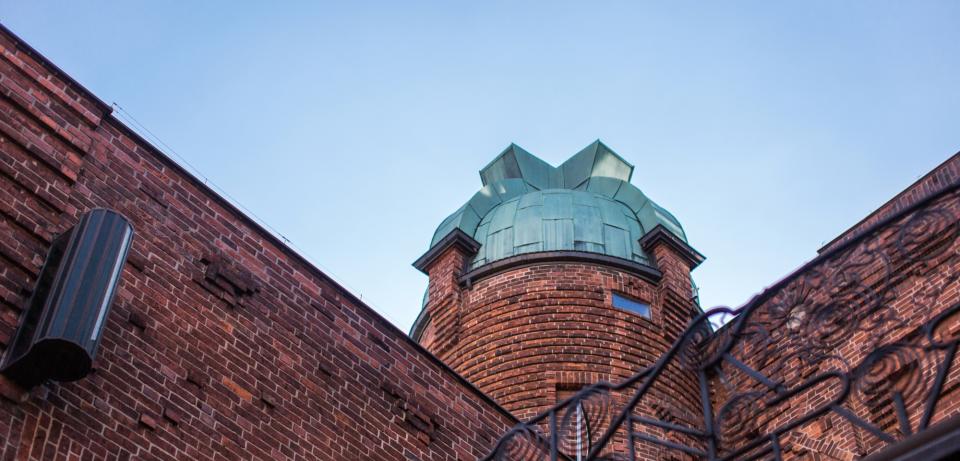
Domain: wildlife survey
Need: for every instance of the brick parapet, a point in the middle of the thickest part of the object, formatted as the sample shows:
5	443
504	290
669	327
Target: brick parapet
445	301
870	296
943	175
222	343
534	332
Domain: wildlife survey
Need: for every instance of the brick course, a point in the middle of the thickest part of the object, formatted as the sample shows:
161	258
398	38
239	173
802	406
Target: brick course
225	344
943	175
222	343
531	334
830	302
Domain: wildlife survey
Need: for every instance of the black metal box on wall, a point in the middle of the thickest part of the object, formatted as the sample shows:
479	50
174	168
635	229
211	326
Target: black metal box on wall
58	336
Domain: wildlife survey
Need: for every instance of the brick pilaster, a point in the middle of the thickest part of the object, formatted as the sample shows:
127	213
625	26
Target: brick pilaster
675	259
444	264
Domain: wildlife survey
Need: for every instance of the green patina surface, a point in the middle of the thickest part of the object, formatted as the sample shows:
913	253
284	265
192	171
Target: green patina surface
586	204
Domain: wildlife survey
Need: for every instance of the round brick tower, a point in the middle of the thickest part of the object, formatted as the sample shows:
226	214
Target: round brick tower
552	278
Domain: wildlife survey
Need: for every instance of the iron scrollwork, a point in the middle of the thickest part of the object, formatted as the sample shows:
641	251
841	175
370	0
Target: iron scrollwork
851	353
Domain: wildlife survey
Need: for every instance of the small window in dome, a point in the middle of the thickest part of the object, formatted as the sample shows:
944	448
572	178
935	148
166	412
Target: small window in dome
632	305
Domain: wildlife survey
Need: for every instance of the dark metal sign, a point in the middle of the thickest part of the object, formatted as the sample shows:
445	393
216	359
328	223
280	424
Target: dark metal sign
60	330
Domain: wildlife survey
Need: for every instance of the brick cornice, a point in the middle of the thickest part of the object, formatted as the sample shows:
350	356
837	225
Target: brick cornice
456	238
660	234
55	70
119	188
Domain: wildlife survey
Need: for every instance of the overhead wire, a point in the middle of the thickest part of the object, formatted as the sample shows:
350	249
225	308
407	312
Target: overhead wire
131	122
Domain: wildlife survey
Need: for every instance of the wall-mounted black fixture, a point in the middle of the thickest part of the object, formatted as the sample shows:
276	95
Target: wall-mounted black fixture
58	336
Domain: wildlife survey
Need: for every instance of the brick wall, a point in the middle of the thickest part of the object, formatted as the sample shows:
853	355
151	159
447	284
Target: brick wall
856	315
222	343
944	174
532	334
445	306
872	296
532	330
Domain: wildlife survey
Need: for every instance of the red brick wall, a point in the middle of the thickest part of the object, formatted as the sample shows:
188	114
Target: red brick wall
222	343
530	335
878	291
444	308
529	330
944	174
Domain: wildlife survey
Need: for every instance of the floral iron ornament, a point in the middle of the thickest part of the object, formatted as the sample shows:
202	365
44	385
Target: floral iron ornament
851	353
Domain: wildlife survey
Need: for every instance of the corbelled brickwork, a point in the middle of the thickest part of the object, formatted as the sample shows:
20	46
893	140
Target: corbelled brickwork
222	343
446	308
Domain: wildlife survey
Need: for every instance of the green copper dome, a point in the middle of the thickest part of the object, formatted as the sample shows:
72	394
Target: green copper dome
586	204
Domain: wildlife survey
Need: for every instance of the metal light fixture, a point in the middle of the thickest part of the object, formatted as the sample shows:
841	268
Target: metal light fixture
60	331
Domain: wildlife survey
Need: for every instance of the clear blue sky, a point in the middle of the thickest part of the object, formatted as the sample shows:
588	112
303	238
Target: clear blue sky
354	129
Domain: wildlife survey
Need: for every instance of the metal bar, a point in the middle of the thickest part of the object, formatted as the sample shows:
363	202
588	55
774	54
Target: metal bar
554	437
646	378
934	397
652	374
902	414
809	416
863	424
753	373
707	415
775	443
940	442
589	431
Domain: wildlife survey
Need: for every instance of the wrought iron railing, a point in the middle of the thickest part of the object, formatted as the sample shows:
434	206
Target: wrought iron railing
852	352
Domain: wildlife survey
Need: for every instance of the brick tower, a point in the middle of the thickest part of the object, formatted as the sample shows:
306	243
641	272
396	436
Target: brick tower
552	278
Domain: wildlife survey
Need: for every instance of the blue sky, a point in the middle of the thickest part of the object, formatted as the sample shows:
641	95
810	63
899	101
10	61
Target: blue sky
767	128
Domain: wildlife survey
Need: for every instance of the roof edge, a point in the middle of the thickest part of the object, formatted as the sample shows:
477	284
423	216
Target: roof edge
455	238
54	69
631	166
768	292
660	233
860	226
257	227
